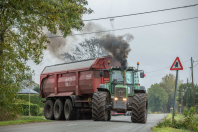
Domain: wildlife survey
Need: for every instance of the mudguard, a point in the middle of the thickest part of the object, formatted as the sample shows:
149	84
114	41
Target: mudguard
141	90
101	88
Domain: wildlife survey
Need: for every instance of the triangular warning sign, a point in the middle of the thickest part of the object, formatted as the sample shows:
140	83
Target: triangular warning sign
176	65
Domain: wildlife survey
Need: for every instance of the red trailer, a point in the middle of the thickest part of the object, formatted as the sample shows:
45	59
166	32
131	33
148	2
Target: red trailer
69	87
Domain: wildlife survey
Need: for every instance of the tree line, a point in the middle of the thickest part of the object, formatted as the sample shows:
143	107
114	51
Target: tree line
161	95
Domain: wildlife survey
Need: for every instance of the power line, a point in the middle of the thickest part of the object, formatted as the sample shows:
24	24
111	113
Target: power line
162	74
164	68
158	70
156	75
142	13
130	27
195	65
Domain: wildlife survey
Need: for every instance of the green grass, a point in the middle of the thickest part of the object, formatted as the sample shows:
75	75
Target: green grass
23	120
177	117
169	129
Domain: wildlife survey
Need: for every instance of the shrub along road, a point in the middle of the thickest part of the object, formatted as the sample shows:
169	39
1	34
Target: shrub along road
117	124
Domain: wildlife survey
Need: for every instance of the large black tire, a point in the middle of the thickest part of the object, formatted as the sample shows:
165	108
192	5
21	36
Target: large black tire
48	110
59	110
99	102
139	108
70	112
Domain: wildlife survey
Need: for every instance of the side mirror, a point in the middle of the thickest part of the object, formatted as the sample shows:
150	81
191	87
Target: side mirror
141	74
101	73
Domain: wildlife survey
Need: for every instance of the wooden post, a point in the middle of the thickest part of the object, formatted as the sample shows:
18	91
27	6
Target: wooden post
187	95
193	95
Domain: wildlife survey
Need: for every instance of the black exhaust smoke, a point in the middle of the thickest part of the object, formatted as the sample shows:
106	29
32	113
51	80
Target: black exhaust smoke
117	47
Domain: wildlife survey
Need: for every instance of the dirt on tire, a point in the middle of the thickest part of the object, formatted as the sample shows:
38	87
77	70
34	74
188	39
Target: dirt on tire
139	108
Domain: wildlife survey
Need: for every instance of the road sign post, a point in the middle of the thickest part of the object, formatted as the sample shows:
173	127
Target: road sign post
176	66
175	95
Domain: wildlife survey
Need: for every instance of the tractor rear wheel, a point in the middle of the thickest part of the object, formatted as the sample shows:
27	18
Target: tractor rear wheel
70	112
59	110
99	102
49	110
139	108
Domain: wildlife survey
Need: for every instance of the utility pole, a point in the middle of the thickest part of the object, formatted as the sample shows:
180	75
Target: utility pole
193	95
187	95
181	101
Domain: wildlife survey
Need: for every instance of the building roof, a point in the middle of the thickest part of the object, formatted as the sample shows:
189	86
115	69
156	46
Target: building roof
26	91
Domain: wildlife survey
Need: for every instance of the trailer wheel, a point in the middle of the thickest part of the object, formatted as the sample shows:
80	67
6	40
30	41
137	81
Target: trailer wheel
70	112
139	108
59	110
99	102
48	110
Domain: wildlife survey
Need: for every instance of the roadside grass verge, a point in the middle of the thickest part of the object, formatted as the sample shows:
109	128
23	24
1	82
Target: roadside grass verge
177	117
188	122
23	120
169	129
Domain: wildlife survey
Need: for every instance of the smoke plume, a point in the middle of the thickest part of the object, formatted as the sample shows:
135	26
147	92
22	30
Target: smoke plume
118	47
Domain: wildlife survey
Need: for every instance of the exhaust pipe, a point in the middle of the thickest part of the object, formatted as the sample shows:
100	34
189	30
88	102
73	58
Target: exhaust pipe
124	77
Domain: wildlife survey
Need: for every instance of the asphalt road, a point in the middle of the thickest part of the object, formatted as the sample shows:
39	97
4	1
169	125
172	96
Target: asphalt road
117	124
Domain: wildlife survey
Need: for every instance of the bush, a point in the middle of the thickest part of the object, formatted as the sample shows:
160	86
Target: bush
41	112
9	112
24	109
189	122
34	99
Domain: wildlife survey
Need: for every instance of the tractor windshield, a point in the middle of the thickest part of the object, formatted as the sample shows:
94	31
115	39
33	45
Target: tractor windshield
117	76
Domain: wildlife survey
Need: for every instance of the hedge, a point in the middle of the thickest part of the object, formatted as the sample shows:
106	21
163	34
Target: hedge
24	109
34	99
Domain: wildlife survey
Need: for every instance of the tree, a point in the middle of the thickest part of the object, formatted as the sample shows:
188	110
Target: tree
22	38
168	84
183	87
88	49
157	98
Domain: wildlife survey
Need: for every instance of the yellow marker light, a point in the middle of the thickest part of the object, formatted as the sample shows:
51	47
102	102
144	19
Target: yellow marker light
116	98
138	63
124	99
108	62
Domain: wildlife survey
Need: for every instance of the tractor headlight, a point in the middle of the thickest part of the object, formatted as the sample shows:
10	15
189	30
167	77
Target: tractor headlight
124	99
116	99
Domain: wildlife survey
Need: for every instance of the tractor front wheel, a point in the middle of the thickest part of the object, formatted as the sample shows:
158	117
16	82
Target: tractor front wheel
139	108
99	102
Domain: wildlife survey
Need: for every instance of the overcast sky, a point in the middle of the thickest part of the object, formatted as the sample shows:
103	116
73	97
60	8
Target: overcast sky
155	47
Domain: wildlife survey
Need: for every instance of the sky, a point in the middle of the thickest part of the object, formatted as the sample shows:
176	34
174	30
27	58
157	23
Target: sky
154	47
